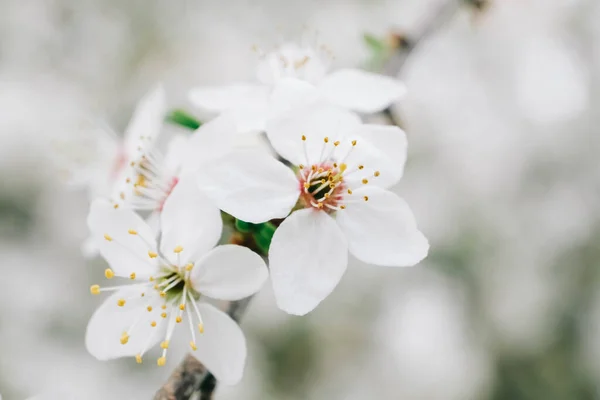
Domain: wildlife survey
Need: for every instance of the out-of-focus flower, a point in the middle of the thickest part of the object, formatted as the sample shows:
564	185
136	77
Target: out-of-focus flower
338	193
168	280
154	177
251	103
98	159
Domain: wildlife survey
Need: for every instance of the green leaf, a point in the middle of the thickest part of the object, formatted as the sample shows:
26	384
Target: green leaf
182	118
375	44
243	226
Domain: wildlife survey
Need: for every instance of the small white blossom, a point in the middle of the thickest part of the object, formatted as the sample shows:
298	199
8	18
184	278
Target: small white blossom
253	106
168	278
337	190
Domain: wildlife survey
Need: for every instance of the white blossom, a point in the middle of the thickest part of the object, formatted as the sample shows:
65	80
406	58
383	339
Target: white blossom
168	278
253	106
337	190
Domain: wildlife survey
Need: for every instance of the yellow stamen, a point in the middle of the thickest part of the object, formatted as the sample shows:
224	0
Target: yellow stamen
336	143
178	319
165	344
132	275
95	289
354	143
164	315
108	273
162	294
164	306
342	207
138	358
326	139
303	137
343	167
107	237
349	191
193	346
161	361
124	338
361	166
121	302
116	206
178	249
132	232
189	267
365	181
201	327
149	308
152	254
153	324
182	307
366	198
376	173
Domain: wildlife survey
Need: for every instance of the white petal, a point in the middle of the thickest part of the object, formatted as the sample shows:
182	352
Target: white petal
89	248
361	91
229	272
209	142
190	220
222	98
307	258
246	102
108	323
251	186
177	151
316	122
291	61
289	94
380	148
222	346
146	123
125	252
382	230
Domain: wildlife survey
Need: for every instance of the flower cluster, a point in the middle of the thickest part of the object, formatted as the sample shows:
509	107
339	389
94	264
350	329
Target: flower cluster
321	193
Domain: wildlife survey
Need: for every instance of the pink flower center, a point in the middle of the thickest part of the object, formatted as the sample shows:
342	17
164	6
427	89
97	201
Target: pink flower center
322	186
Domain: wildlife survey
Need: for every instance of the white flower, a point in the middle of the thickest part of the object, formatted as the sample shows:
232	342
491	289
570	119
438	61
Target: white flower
97	158
353	89
338	192
168	278
151	178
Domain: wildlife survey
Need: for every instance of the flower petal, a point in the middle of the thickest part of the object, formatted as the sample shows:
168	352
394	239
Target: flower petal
229	272
382	230
146	122
289	94
307	259
292	61
209	142
222	346
251	186
125	252
381	149
361	91
190	220
247	103
316	122
108	323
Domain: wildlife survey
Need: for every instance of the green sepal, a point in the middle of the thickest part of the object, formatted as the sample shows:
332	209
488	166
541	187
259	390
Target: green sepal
182	118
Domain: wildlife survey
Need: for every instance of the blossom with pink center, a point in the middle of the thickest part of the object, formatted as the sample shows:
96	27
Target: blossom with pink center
252	103
337	193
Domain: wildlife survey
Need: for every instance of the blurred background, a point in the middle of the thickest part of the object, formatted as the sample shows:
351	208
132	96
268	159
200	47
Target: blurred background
502	175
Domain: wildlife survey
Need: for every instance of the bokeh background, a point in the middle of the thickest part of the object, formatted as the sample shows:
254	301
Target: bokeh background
503	177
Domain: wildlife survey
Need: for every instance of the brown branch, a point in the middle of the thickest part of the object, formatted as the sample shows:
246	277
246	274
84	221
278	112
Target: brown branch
191	378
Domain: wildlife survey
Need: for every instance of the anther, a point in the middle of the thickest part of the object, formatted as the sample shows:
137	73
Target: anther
361	166
342	207
153	324
164	306
164	315
116	206
343	167
124	338
354	143
138	358
376	173
189	266
178	319
152	254
107	236
132	232
326	139
108	273
303	137
334	165
162	294
95	289
182	306
132	275
306	185
128	180
301	166
178	249
121	302
349	191
201	327
149	308
161	361
366	198
336	143
193	346
164	345
122	196
365	181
